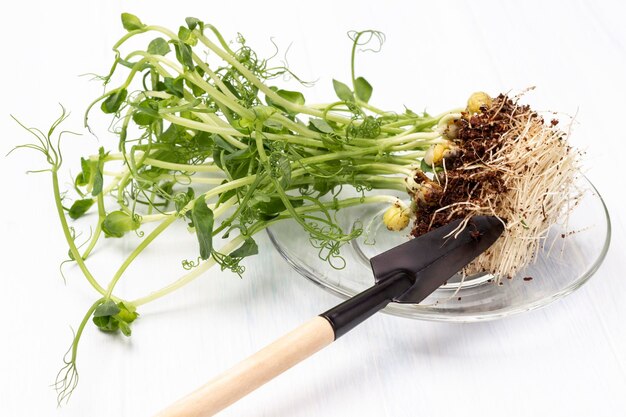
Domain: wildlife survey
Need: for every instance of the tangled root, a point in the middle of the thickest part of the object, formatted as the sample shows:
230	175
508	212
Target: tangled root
510	164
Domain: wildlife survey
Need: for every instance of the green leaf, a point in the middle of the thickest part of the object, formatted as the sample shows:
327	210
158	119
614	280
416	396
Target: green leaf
195	89
321	125
322	185
342	91
146	113
193	23
187	36
217	157
84	177
114	101
272	126
262	113
80	207
233	89
108	308
172	134
174	86
427	168
221	143
272	208
183	34
295	97
131	22
111	317
125	328
116	223
184	54
106	323
98	180
239	155
202	218
291	96
159	46
143	119
167	187
202	143
182	199
362	89
248	248
259	196
127	312
225	196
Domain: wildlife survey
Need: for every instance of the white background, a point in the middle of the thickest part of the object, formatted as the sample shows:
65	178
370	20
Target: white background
568	359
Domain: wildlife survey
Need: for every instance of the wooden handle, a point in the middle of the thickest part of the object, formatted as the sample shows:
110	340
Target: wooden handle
254	371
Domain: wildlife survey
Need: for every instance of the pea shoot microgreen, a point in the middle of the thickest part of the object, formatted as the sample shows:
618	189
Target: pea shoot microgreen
206	138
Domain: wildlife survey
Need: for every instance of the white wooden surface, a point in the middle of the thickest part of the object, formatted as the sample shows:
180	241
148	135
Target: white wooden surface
568	359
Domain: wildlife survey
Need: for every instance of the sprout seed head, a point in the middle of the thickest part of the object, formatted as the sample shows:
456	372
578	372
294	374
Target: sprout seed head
434	154
397	216
452	130
477	101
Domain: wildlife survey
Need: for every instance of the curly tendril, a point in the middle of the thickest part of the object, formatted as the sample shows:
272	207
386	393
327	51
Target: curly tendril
189	265
228	262
366	37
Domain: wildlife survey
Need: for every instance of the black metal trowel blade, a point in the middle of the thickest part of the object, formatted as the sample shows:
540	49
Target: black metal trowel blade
436	256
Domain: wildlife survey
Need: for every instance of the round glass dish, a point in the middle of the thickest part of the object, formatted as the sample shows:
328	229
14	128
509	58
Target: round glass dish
570	255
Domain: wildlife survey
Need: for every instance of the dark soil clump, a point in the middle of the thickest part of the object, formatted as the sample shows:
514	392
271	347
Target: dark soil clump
464	183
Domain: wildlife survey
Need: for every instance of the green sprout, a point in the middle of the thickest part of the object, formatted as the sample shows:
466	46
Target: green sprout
205	138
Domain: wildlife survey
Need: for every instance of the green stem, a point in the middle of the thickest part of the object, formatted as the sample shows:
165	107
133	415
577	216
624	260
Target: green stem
206	167
98	231
371	108
333	156
295	108
144	243
195	78
126	83
81	327
361	103
296	140
68	236
187	278
231	185
93	241
182	167
203	127
386	168
232	245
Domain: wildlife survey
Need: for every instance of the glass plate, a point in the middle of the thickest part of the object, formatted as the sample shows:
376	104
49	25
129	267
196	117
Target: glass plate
562	266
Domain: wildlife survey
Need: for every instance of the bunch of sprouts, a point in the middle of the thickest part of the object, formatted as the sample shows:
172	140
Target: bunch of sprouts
205	138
